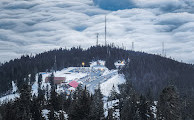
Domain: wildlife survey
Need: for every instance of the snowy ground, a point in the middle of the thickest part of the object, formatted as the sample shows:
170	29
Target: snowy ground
11	96
89	76
106	87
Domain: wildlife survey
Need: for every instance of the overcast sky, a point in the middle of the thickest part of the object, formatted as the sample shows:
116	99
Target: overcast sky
35	26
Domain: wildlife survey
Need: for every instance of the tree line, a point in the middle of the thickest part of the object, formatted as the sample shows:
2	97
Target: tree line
82	105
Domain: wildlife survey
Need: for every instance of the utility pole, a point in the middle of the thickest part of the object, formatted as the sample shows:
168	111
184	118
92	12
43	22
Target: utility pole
105	32
97	39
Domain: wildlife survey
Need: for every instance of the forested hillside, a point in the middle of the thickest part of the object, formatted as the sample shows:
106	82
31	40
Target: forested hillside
18	69
149	78
152	73
147	72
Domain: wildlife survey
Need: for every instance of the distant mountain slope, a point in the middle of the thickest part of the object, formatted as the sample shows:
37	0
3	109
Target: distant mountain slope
152	73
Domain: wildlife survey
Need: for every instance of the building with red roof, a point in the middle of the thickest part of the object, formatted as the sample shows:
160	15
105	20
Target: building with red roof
74	84
57	80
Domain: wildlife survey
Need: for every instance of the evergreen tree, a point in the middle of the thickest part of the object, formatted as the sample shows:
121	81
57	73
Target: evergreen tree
109	63
144	109
169	105
54	100
41	92
51	80
47	93
68	102
24	103
114	100
52	115
39	79
80	107
9	111
36	109
61	115
97	106
110	114
113	94
128	102
32	77
1	118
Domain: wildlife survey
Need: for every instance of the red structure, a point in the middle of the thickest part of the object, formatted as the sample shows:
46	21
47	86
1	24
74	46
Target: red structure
74	84
57	80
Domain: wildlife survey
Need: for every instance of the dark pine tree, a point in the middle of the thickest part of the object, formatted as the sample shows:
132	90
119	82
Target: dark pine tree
24	103
110	114
36	109
109	63
97	106
144	109
169	105
52	115
80	107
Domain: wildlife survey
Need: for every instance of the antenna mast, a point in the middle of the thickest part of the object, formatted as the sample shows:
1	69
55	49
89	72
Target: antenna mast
97	39
105	31
132	47
163	51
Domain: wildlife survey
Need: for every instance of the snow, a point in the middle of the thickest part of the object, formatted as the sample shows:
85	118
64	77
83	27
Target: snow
110	104
14	87
45	113
9	97
90	76
12	96
94	63
107	71
35	87
106	87
120	63
71	89
154	109
66	73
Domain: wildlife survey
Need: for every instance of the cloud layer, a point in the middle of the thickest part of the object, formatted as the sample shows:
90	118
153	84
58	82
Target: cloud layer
38	25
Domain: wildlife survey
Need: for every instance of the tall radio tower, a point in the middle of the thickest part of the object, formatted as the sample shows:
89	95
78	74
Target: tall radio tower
97	39
105	31
132	47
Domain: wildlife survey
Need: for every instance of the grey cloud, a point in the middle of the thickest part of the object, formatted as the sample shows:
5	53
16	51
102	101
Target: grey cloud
47	24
